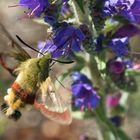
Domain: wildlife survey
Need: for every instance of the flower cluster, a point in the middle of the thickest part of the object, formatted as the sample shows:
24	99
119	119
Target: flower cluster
116	71
45	8
36	7
113	100
128	30
128	9
114	108
85	96
66	40
119	46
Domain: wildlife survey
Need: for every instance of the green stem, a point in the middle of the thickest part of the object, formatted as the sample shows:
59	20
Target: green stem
76	12
105	126
83	17
98	82
102	127
95	74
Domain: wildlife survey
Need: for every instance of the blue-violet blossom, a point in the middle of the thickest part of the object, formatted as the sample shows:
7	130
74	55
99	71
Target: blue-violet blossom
66	40
128	9
85	96
116	67
37	7
119	46
128	30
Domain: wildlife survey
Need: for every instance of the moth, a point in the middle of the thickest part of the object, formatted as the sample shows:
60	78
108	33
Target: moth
34	86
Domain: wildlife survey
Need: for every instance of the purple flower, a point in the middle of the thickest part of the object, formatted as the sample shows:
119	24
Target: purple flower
50	20
113	100
116	120
116	67
36	7
85	96
66	40
77	77
119	46
116	70
128	30
135	9
65	1
128	63
129	9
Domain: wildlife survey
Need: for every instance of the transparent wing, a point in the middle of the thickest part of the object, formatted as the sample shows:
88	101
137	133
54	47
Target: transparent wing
54	105
19	53
13	49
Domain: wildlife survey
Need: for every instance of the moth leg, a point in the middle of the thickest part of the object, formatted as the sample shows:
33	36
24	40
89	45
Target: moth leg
3	64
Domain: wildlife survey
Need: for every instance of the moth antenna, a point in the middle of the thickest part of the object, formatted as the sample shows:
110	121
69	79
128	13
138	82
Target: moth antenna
52	64
64	62
28	45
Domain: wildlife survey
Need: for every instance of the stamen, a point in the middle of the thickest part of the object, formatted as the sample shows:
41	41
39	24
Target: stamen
27	5
34	10
9	6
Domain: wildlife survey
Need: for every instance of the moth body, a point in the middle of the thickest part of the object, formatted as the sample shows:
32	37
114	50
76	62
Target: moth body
31	74
34	86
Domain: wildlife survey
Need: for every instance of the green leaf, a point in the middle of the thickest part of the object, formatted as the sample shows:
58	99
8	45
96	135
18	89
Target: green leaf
80	4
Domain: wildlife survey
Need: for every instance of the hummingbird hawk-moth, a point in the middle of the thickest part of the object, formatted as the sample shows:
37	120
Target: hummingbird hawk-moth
33	85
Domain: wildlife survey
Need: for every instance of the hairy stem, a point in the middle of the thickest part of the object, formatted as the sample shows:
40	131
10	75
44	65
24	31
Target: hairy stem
105	126
95	73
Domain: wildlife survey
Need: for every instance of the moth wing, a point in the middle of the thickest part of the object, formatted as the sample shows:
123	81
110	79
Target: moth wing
13	49
19	53
63	117
52	104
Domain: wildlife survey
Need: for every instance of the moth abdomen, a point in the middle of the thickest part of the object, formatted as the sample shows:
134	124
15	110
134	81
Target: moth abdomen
25	96
12	104
16	98
15	115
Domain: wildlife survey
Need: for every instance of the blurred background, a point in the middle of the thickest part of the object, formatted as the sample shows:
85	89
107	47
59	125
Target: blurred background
32	124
